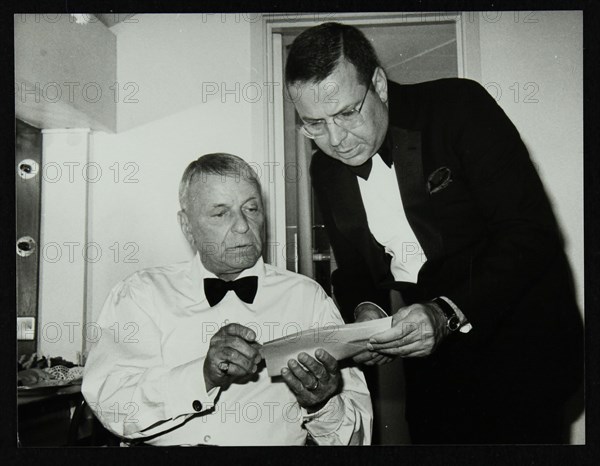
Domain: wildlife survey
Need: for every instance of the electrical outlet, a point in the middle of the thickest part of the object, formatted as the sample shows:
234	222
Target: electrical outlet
25	328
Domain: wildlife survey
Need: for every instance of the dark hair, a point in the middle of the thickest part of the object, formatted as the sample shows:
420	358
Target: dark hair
215	164
316	52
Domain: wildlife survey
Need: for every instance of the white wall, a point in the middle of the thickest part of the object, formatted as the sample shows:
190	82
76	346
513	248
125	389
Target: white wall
167	63
168	58
63	243
542	53
64	72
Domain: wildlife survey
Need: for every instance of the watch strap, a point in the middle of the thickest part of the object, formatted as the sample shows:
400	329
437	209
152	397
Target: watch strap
452	319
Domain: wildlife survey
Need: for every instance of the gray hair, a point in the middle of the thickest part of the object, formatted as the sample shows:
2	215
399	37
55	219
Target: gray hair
215	164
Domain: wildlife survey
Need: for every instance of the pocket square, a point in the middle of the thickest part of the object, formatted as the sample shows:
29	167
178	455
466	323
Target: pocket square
439	179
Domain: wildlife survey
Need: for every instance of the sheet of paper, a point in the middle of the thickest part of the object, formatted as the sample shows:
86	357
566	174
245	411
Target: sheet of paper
341	341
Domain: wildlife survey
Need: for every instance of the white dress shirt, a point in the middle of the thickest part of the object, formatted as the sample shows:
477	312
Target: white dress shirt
388	224
148	378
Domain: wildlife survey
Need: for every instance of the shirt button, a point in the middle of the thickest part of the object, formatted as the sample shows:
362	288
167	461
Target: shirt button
207	438
197	405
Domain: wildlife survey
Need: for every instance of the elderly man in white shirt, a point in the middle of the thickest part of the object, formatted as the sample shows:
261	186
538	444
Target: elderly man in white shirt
192	373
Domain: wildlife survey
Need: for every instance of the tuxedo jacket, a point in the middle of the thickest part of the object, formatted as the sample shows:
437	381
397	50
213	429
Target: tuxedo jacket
478	208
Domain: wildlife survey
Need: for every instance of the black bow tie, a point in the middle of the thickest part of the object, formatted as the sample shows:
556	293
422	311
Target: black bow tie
385	152
215	289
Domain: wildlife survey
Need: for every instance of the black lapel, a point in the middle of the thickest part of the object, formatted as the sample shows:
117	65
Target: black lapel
349	212
408	160
350	218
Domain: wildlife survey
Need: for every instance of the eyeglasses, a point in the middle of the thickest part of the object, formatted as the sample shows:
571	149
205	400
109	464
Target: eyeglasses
348	120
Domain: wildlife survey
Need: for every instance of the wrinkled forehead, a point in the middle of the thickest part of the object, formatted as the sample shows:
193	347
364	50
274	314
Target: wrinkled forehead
231	188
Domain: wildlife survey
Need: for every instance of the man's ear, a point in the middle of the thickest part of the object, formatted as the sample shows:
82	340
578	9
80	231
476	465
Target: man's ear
380	84
186	228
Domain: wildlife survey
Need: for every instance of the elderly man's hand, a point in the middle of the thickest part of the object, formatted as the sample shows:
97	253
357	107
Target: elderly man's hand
316	382
233	356
416	331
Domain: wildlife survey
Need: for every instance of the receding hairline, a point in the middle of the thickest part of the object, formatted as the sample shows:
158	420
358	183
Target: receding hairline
218	164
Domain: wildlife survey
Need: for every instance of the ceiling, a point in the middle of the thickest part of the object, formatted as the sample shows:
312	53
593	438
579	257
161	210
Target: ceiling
413	53
410	53
110	19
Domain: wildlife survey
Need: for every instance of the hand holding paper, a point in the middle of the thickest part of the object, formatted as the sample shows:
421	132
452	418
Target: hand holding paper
341	341
365	312
313	381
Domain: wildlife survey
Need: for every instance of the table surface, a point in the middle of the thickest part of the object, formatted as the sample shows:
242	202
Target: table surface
26	399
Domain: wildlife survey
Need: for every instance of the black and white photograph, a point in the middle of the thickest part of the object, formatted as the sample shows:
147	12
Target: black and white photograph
300	229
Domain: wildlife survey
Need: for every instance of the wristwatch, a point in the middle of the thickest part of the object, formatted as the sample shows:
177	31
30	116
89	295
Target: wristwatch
452	320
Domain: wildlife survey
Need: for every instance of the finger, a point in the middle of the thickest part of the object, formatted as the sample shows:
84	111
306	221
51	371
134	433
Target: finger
258	347
387	336
377	358
305	378
413	350
364	357
377	361
238	330
404	321
394	335
404	341
422	335
328	361
382	359
233	371
313	366
292	381
234	357
373	357
242	346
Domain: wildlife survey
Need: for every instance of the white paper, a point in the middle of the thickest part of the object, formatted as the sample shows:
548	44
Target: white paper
341	341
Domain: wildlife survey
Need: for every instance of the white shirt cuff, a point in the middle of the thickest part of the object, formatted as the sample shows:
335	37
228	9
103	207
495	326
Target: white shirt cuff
324	417
186	389
378	308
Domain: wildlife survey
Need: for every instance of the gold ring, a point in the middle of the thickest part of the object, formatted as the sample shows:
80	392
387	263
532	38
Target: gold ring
314	386
223	366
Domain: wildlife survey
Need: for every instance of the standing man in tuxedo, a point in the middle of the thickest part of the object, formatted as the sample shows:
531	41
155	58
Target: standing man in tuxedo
428	189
